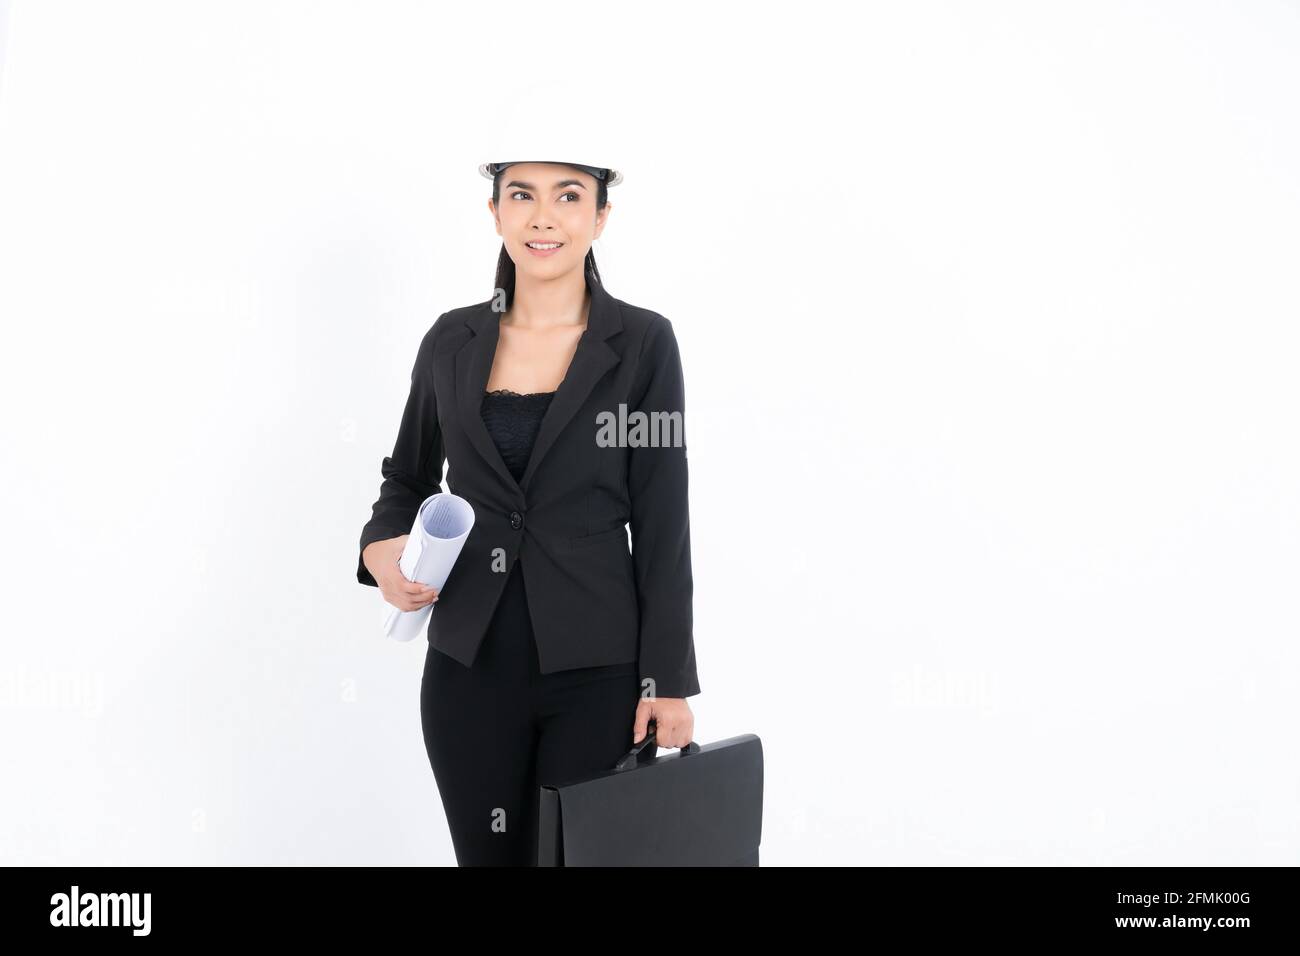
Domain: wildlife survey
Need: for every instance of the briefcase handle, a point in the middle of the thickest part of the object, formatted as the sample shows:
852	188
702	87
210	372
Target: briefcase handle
630	759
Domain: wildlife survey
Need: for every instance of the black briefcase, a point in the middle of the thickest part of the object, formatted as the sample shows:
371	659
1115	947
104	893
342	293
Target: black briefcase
698	806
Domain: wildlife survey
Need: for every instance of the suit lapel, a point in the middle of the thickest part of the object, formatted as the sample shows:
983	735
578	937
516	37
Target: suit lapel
473	366
591	360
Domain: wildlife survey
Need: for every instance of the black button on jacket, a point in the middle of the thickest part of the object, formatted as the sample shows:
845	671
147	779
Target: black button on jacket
593	602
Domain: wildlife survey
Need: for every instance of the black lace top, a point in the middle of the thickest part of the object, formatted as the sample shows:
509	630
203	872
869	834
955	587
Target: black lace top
513	420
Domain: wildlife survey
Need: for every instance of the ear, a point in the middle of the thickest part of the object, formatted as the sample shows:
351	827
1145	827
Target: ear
601	217
495	218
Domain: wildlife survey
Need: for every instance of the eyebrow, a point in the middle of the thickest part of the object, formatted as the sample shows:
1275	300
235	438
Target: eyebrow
563	182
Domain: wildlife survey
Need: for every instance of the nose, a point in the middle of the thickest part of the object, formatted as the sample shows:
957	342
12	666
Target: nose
541	218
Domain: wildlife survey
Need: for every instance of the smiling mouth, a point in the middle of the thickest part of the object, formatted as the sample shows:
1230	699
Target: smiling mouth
543	246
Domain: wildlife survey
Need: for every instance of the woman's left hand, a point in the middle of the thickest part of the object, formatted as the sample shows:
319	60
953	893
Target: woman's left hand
674	722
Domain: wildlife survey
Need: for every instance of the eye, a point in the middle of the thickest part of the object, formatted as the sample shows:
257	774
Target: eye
518	192
575	195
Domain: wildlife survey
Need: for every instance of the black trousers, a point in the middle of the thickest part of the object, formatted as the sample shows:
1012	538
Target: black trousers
499	730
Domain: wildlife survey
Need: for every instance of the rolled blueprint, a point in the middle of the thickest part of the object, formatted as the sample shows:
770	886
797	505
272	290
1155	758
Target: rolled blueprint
441	526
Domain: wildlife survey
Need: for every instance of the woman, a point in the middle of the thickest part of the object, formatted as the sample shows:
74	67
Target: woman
558	409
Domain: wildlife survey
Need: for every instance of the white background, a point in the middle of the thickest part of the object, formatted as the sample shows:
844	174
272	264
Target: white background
988	316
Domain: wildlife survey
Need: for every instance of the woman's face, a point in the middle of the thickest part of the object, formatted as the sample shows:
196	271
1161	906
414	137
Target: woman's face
546	204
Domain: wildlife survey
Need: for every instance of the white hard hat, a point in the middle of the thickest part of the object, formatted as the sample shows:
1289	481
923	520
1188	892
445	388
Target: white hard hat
612	177
514	130
511	130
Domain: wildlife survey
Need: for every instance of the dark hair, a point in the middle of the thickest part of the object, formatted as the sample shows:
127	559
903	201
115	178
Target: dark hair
506	265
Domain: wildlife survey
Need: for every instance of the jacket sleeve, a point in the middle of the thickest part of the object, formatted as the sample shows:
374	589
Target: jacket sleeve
660	518
413	471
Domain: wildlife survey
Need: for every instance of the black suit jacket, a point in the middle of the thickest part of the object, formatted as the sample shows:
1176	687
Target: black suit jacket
592	600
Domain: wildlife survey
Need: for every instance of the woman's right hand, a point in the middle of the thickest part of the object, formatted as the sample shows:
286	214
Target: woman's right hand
381	559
